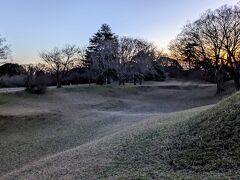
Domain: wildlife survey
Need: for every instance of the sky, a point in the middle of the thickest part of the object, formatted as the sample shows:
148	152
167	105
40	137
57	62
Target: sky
31	26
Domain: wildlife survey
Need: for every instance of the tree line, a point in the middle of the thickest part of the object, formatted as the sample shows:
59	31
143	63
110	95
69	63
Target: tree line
108	58
211	45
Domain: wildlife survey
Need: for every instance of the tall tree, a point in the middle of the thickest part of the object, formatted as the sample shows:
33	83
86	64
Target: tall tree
101	55
229	22
216	36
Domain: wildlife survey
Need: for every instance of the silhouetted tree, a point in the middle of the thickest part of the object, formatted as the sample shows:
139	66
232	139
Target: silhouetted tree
228	19
61	60
11	69
216	39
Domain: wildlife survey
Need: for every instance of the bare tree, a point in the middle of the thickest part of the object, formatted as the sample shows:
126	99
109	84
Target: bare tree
35	78
229	21
216	39
4	50
221	30
61	60
136	58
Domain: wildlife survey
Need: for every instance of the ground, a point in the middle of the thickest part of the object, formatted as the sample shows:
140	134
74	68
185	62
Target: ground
74	132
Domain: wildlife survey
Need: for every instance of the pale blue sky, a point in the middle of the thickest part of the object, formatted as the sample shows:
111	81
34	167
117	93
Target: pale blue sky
33	25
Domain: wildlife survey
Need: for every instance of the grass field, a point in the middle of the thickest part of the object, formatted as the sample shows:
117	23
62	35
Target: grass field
109	132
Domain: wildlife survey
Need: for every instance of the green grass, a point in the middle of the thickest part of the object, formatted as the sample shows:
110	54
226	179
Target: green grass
4	98
102	89
144	152
8	98
195	144
199	143
211	140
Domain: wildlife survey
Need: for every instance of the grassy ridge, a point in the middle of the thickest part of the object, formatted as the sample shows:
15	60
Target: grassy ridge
206	144
146	151
211	140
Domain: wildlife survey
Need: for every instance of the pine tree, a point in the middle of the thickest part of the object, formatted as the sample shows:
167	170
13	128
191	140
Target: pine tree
101	54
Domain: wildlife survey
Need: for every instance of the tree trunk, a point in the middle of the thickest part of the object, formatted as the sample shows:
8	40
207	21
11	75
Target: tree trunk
108	80
237	83
89	81
219	80
219	87
59	84
236	77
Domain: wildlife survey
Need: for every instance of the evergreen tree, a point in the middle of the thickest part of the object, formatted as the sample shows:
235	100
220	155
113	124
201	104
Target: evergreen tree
101	54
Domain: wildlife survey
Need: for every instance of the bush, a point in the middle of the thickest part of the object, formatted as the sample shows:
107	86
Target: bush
12	81
36	89
36	84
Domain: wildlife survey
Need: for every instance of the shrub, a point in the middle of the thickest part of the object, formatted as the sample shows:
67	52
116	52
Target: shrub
36	89
36	84
12	81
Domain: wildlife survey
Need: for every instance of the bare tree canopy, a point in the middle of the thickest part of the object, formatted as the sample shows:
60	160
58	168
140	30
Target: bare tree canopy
213	41
4	50
136	58
61	61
